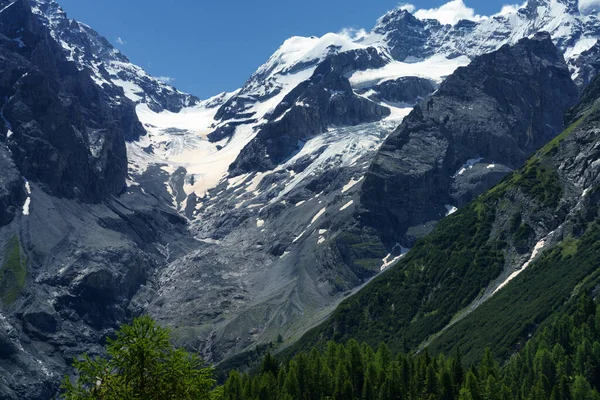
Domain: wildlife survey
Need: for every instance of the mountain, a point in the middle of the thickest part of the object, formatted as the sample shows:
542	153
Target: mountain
108	66
246	216
498	269
494	113
77	244
575	32
294	152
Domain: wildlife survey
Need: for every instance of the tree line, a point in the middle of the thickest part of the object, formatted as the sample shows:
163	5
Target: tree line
562	362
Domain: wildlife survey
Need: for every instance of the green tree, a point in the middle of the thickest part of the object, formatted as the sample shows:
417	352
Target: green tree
581	389
270	364
141	363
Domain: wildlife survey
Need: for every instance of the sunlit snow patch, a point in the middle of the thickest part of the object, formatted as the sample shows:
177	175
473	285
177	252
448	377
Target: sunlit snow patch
436	68
351	184
536	250
28	200
348	204
467	166
450	209
390	259
316	217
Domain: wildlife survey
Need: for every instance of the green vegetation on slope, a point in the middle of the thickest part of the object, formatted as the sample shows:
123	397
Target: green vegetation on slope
512	315
450	268
563	362
12	273
442	274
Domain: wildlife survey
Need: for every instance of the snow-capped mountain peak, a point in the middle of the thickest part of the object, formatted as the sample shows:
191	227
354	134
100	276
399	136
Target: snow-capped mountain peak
405	35
88	49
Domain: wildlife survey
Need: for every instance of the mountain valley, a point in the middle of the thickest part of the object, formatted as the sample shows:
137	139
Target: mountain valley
406	175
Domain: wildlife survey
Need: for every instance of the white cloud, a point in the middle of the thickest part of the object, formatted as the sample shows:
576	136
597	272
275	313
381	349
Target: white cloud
589	6
450	13
121	41
408	7
510	9
166	79
353	34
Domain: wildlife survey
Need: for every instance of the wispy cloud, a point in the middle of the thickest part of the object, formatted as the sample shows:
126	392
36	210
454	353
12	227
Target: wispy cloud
121	41
511	8
166	79
450	13
408	7
353	34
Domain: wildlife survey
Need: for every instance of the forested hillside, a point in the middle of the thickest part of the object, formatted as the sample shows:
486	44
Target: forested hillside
491	274
562	362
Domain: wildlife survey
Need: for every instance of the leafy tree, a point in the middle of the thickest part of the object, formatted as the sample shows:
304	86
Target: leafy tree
141	364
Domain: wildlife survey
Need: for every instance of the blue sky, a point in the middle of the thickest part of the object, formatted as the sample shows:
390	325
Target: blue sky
210	46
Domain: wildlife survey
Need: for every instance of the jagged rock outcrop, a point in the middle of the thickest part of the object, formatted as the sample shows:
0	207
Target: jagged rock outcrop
405	34
500	108
326	99
66	133
75	260
408	90
108	66
12	190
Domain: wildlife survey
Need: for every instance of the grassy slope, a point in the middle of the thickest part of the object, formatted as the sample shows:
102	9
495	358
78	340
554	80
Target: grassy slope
12	273
451	267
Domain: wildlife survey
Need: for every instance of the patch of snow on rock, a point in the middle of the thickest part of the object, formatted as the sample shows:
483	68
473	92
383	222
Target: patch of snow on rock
28	200
319	214
348	204
437	67
392	259
450	209
536	250
467	166
351	184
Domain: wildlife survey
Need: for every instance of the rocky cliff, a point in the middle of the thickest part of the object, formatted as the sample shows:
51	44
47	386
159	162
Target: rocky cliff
73	257
483	121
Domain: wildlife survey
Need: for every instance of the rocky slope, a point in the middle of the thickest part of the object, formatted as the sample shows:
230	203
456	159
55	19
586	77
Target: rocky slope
73	255
493	113
491	274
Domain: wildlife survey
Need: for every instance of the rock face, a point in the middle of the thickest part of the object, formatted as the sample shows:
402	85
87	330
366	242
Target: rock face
74	258
408	90
66	133
326	99
108	66
12	190
499	109
405	34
